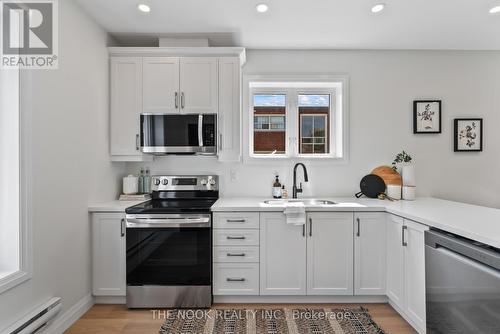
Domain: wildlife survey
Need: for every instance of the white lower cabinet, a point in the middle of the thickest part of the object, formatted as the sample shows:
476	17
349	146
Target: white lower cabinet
370	253
108	254
415	272
329	253
236	253
313	259
395	260
236	279
406	269
282	256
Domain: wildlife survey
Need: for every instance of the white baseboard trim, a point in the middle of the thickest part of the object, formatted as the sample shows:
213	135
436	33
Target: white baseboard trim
299	299
110	300
68	318
407	318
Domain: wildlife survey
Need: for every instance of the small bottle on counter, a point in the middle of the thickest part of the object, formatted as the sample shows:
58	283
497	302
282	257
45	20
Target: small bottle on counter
284	192
141	181
147	181
277	187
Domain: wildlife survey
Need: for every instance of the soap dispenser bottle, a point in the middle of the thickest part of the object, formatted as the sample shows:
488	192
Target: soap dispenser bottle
277	187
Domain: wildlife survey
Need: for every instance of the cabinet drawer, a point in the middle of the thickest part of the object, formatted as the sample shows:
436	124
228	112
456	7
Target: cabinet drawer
235	237
236	279
236	220
236	254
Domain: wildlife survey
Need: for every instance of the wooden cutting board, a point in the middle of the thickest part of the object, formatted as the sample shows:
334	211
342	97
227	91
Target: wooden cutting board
389	175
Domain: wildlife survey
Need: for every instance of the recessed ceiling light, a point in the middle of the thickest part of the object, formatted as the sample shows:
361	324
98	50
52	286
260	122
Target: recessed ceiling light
144	8
378	8
495	10
262	8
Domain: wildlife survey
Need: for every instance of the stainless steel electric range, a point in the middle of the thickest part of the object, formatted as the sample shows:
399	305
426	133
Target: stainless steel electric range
169	244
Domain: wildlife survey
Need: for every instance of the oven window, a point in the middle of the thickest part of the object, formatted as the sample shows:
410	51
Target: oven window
170	256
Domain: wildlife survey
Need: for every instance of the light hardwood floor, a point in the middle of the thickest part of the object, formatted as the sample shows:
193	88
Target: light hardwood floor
117	319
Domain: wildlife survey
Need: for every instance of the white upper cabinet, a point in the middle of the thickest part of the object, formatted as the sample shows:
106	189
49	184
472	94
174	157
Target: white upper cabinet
369	253
174	81
229	109
126	105
198	85
329	253
161	85
282	256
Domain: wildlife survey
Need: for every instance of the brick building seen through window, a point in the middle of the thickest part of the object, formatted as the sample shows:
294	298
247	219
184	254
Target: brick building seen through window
270	124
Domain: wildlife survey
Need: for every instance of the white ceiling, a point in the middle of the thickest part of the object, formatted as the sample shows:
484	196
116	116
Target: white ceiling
331	24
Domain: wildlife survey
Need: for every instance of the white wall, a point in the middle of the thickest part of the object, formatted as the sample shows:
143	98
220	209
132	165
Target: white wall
383	87
71	166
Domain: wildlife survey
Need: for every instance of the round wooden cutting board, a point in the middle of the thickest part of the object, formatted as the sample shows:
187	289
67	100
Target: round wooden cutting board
389	175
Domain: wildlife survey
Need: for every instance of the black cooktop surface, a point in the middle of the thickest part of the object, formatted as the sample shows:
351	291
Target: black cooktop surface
172	206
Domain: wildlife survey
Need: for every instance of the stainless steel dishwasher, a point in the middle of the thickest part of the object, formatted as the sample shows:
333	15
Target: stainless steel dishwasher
462	285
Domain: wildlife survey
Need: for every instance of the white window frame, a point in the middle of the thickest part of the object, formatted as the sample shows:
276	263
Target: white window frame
25	272
337	86
327	133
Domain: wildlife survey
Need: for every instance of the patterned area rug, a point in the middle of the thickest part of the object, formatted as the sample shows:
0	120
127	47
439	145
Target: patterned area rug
270	321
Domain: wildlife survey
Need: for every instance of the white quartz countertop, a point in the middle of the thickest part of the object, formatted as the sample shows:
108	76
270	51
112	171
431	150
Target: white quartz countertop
470	221
113	206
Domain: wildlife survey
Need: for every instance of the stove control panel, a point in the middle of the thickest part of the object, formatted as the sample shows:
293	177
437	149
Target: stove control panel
184	182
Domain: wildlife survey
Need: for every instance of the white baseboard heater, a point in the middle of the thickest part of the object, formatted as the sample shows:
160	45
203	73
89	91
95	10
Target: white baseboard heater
36	320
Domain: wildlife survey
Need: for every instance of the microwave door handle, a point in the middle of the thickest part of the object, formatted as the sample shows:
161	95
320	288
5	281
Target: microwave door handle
200	130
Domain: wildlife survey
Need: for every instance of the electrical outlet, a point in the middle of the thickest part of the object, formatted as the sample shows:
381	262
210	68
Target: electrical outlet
233	175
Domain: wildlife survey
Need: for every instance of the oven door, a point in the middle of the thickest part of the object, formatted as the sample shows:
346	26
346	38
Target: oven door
178	134
169	250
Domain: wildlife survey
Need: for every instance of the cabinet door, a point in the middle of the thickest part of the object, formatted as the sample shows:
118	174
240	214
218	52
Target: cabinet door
329	253
395	260
282	256
161	85
369	253
108	254
126	104
198	85
414	254
229	109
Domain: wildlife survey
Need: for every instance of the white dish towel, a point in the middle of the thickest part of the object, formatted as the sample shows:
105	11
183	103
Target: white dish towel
295	213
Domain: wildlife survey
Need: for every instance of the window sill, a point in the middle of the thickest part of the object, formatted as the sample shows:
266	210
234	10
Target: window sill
10	279
278	161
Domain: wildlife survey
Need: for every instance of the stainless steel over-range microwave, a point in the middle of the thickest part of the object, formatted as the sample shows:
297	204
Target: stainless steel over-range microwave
179	134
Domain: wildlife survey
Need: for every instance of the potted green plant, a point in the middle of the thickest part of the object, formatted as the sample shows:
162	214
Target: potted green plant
402	163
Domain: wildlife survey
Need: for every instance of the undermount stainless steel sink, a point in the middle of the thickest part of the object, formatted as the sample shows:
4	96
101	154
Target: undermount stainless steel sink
306	201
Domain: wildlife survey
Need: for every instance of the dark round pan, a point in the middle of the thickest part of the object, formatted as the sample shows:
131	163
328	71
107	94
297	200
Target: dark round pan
371	186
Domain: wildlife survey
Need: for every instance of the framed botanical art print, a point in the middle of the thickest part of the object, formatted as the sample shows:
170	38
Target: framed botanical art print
468	134
427	116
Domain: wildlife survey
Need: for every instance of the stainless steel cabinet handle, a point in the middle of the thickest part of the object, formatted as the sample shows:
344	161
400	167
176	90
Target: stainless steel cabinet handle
220	141
359	227
176	100
235	279
183	100
137	144
200	130
403	242
304	230
235	254
235	238
310	227
122	227
235	220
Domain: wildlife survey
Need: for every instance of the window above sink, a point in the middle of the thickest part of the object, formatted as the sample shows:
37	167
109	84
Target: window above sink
294	117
